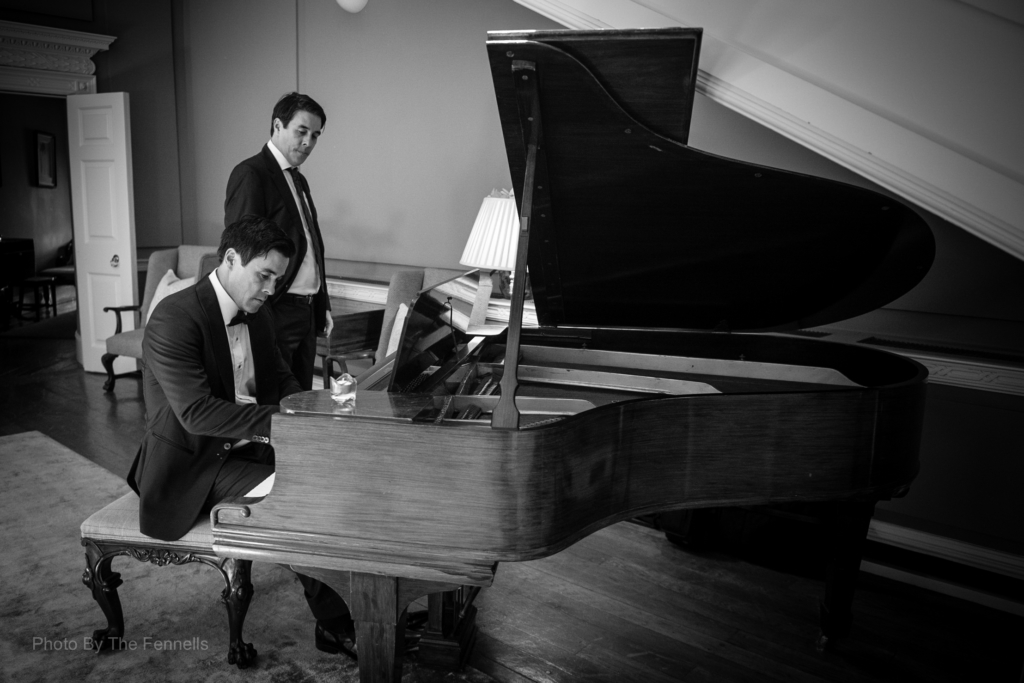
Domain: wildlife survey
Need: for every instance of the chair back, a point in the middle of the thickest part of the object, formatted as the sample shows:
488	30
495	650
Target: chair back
402	289
187	260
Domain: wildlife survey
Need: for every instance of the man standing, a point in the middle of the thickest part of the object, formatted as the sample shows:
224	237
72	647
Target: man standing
270	185
213	379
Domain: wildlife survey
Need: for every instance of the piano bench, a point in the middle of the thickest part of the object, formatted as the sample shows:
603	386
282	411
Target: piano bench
114	531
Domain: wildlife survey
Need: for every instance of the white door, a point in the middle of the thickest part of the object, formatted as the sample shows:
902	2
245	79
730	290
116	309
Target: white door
103	210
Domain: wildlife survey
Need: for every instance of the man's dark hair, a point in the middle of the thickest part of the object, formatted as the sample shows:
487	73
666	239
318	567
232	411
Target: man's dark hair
291	104
254	236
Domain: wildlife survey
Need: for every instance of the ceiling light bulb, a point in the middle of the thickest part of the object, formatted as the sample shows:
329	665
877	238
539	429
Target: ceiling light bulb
352	6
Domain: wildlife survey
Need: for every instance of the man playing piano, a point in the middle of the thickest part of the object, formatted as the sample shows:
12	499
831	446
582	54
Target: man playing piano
213	378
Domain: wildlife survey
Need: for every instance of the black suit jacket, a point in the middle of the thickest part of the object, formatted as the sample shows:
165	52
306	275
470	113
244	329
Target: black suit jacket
190	400
257	186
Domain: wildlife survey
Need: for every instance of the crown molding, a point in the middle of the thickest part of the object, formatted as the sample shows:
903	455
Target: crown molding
969	374
39	60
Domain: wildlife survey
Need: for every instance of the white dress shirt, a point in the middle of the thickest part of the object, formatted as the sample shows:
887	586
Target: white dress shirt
241	349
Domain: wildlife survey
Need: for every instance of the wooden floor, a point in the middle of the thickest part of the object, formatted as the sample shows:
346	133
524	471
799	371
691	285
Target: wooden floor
43	388
623	604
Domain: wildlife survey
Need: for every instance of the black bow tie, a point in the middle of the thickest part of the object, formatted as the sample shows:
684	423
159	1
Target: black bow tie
241	318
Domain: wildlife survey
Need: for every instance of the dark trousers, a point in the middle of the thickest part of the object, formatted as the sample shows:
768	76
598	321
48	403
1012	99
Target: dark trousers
296	336
239	474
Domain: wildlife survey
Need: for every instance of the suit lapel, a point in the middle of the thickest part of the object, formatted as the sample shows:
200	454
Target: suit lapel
219	337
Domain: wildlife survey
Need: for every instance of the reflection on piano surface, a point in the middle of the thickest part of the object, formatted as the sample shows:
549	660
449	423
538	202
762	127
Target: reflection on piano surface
644	388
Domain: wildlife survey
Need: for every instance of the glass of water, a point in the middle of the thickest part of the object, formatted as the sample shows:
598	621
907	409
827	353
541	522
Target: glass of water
343	389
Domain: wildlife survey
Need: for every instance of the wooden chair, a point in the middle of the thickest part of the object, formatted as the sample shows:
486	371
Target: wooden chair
186	261
354	336
114	531
44	295
402	289
63	269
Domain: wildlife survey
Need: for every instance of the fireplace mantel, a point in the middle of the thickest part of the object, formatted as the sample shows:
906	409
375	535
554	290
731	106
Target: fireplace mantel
38	60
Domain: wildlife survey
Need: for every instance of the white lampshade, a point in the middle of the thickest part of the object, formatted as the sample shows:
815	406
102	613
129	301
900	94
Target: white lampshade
495	236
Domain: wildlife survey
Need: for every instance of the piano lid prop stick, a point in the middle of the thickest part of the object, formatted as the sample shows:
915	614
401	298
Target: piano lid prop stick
506	415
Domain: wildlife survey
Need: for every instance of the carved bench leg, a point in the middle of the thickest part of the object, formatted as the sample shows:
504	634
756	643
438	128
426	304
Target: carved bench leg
108	364
103	583
236	596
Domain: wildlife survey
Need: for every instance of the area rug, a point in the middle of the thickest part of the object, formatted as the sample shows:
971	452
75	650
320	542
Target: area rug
46	490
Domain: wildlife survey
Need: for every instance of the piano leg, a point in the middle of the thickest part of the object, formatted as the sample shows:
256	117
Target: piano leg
848	531
378	605
450	633
375	608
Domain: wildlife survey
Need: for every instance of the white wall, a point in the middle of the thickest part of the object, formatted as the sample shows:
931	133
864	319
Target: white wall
412	143
236	58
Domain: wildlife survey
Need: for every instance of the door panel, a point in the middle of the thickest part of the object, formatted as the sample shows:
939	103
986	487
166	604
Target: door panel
99	141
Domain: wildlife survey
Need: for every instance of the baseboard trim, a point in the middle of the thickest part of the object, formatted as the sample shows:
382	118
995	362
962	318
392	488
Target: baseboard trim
960	552
933	545
944	587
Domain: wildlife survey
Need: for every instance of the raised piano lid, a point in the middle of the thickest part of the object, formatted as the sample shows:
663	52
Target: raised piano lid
635	229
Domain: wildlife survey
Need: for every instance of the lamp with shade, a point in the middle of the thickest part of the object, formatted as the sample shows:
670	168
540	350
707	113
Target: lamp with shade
495	235
491	248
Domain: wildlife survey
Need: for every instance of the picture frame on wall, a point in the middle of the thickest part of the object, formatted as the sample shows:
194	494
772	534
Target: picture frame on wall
46	160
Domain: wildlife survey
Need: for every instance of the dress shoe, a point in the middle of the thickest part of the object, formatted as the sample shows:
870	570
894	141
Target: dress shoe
336	643
416	621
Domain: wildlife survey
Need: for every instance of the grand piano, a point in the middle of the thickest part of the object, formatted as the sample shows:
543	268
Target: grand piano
670	368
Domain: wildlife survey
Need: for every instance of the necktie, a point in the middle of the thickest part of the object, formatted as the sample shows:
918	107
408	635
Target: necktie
303	192
241	318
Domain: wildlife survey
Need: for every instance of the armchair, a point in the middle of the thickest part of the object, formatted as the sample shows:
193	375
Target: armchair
186	261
